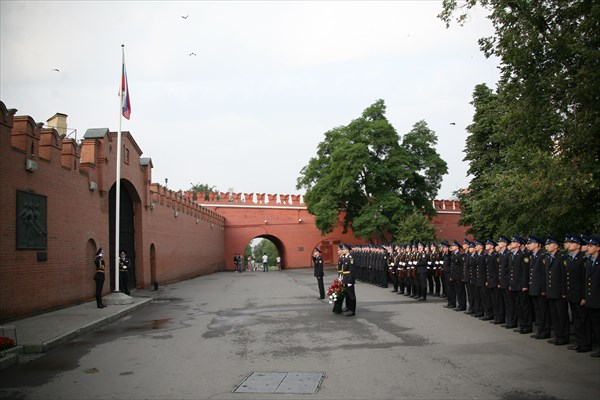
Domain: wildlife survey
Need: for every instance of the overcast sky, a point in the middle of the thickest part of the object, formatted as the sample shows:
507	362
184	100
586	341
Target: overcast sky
267	80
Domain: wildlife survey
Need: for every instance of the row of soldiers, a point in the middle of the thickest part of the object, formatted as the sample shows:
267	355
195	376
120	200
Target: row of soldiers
415	270
509	282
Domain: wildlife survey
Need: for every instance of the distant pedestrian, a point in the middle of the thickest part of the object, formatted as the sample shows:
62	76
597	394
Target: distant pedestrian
278	263
249	265
99	277
265	262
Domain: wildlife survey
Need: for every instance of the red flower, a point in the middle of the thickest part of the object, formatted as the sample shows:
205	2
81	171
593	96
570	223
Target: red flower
6	343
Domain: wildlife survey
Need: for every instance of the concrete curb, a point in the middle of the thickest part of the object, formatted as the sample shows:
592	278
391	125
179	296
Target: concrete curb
43	347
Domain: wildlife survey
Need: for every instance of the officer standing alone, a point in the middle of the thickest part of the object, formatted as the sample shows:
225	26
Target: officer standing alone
318	265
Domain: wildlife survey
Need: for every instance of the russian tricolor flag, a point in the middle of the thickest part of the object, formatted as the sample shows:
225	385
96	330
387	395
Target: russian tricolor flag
125	102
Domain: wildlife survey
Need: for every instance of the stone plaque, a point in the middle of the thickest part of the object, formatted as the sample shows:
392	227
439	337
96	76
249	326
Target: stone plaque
32	221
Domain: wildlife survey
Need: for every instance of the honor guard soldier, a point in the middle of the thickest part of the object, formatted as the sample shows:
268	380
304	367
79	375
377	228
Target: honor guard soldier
436	265
480	277
318	265
445	267
503	279
393	266
556	292
575	289
421	264
537	287
124	272
592	293
349	281
456	277
515	279
490	303
466	275
431	251
99	276
519	284
337	307
402	279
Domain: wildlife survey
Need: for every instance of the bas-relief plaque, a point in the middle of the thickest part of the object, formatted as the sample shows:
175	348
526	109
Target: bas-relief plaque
32	221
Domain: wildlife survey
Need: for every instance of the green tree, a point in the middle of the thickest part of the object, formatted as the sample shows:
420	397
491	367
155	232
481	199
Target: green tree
267	247
416	227
364	170
202	188
547	178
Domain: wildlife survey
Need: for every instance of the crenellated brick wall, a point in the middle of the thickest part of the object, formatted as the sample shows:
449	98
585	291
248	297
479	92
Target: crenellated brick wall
175	239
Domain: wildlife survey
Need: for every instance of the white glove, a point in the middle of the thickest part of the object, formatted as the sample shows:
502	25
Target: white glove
349	284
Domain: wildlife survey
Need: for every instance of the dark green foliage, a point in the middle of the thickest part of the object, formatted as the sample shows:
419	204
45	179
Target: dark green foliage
364	170
534	148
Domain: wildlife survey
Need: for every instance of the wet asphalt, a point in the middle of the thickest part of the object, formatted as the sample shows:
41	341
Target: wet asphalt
200	338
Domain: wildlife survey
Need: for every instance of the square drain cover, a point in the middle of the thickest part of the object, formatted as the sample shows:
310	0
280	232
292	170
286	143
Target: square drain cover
281	382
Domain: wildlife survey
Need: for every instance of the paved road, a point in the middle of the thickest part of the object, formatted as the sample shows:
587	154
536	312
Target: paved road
200	338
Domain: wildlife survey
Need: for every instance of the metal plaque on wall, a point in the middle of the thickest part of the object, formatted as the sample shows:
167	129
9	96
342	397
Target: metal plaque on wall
32	221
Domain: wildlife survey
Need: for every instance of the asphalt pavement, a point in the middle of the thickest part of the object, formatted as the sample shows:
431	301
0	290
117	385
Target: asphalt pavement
209	337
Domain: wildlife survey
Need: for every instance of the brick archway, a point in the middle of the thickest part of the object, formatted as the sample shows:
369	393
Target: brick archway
279	245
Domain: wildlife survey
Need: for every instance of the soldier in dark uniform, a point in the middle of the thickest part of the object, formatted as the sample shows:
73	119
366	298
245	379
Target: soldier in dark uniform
466	275
393	266
480	278
456	277
124	272
337	307
431	259
318	265
436	267
411	271
575	289
402	286
99	277
472	260
490	305
518	270
421	265
349	281
503	279
592	294
446	268
537	287
556	292
385	255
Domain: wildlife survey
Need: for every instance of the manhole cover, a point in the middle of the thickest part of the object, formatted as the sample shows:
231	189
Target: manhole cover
281	382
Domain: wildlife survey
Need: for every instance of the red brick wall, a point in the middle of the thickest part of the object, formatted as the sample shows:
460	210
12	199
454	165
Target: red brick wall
279	222
186	245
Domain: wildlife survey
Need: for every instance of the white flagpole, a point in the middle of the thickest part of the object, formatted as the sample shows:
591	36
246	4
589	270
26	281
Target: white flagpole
118	180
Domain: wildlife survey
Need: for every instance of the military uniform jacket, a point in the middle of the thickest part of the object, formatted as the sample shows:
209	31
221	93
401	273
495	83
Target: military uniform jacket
348	270
503	269
491	269
518	271
537	274
466	275
592	283
456	266
480	268
575	278
123	264
422	260
556	276
446	260
318	266
99	275
473	268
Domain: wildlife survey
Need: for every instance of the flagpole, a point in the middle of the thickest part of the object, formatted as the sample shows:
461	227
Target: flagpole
118	179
